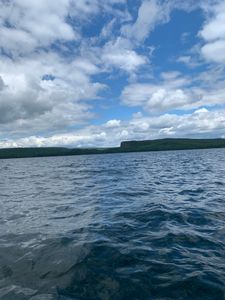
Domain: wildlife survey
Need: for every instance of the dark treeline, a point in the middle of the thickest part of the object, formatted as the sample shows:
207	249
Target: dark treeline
173	144
51	151
128	146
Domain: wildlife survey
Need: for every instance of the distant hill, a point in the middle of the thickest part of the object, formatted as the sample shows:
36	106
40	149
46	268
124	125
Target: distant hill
126	146
51	151
172	144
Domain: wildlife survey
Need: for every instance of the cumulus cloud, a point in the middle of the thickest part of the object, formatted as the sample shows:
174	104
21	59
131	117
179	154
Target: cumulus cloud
121	51
197	124
32	100
176	92
113	123
42	89
155	97
119	54
214	51
28	25
213	34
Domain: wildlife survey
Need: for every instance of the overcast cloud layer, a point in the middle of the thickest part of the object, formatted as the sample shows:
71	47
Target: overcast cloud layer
94	72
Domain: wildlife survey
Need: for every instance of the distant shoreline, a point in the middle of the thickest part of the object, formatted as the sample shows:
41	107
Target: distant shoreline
125	147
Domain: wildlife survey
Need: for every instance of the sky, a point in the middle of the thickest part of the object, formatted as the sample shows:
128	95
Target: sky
93	73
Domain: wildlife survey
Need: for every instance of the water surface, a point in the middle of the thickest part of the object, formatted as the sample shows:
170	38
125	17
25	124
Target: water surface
118	226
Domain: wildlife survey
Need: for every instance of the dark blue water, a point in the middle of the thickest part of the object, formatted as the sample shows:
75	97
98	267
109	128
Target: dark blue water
122	226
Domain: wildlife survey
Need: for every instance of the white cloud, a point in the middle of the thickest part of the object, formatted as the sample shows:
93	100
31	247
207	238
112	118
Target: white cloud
188	60
214	28
117	54
175	91
113	123
201	123
83	8
201	111
213	34
107	30
150	14
42	90
86	9
155	98
28	102
164	99
33	24
122	57
214	51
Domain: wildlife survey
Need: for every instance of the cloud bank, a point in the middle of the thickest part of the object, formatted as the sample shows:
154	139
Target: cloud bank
93	73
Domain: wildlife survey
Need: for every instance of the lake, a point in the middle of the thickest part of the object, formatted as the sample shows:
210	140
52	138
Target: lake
118	226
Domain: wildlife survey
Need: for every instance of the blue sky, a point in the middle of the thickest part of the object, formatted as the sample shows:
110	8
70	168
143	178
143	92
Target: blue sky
84	73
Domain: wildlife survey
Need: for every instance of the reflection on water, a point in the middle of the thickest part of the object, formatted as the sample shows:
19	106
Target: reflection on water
122	226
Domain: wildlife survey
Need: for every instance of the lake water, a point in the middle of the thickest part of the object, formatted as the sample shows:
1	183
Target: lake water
118	226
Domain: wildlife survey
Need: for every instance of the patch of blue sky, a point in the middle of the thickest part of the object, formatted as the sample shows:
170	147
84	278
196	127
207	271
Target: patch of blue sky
48	77
175	39
109	105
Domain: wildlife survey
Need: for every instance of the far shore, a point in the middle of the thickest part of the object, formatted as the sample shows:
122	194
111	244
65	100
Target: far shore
126	146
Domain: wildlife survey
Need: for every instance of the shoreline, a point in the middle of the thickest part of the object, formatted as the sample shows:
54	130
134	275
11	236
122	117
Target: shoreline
125	147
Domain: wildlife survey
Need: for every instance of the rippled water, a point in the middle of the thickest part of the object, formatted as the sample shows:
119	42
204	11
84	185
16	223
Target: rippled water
122	226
